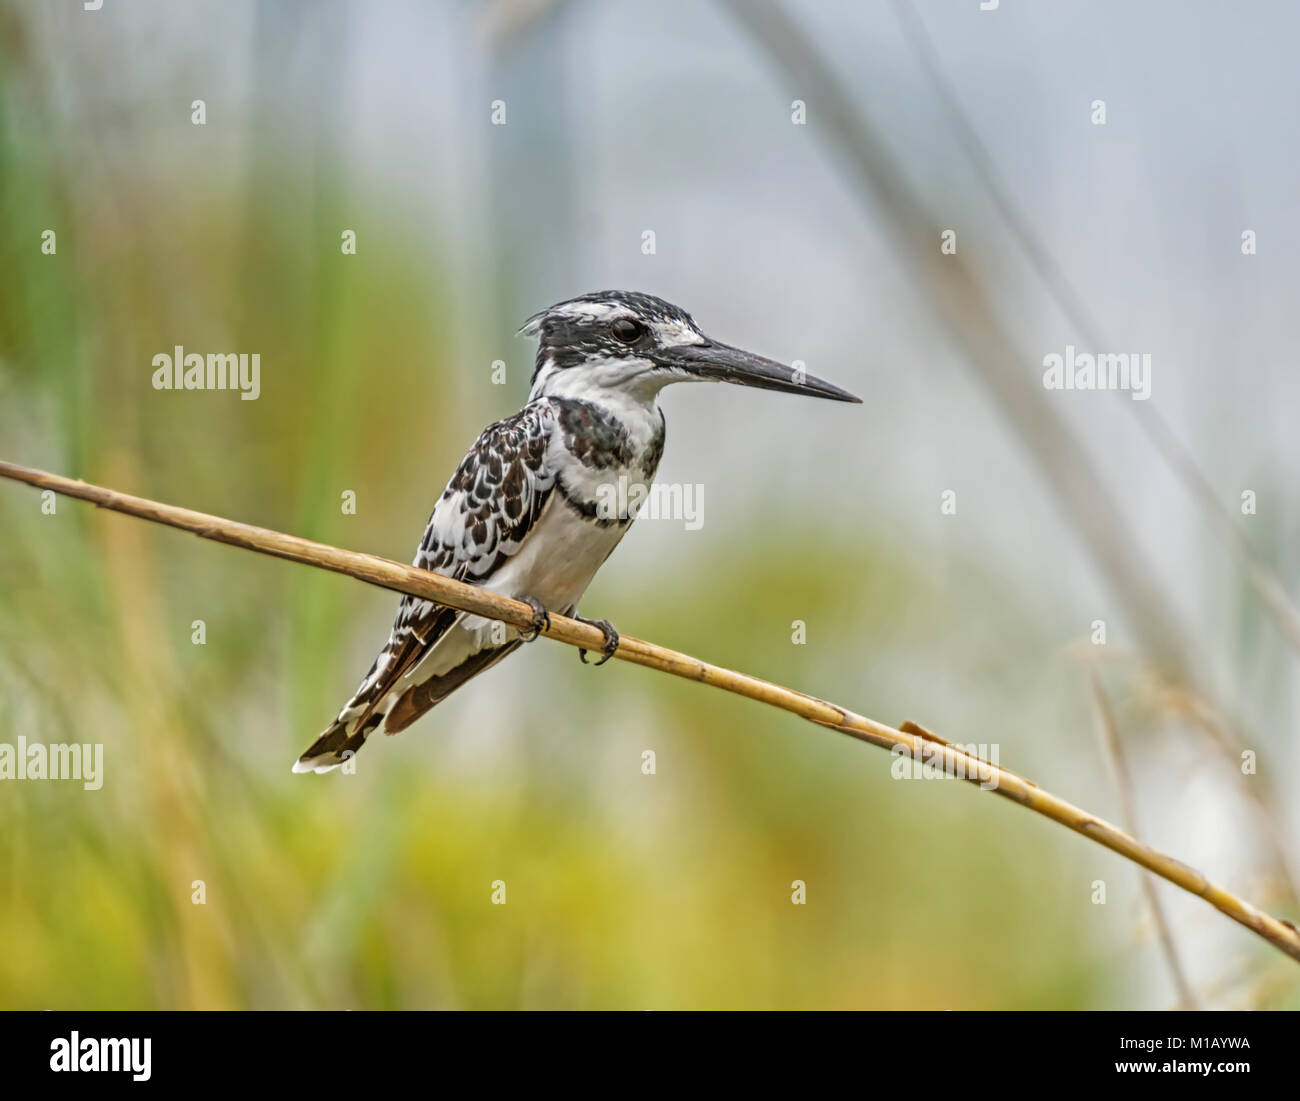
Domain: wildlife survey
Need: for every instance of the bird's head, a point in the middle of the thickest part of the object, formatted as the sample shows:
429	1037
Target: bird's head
636	344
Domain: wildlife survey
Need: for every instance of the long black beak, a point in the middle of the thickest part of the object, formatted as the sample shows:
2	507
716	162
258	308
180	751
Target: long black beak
723	363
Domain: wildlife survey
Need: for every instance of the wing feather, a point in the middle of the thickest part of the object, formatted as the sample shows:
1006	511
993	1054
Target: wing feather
482	518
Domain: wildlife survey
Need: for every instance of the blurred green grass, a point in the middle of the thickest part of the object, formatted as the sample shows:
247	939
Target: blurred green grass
373	890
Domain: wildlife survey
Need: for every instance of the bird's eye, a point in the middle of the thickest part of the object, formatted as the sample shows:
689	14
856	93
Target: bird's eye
626	330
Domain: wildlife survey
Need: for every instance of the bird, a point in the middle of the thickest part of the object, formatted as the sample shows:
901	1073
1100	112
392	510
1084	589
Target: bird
522	515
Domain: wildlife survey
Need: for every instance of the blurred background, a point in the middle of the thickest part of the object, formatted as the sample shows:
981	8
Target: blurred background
817	241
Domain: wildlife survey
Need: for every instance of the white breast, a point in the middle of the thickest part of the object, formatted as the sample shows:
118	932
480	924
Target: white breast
558	559
564	549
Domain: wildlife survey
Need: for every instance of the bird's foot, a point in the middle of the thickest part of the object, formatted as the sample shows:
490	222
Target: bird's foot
541	619
608	646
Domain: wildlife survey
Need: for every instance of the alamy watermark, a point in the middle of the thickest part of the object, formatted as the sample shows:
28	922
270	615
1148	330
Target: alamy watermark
927	763
37	761
184	370
1103	371
627	500
125	1055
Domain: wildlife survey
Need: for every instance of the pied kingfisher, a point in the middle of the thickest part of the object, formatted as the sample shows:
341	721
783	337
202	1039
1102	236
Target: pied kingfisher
521	515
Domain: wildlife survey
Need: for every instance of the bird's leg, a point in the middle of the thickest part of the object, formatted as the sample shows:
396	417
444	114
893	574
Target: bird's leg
541	619
608	646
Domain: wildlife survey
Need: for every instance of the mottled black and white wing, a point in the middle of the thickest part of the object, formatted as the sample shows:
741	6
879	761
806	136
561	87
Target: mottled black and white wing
482	518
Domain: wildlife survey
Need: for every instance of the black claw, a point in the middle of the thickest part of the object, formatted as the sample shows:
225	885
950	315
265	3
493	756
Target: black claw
541	620
607	647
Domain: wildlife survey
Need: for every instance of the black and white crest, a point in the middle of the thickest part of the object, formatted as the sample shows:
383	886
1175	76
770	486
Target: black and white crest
606	325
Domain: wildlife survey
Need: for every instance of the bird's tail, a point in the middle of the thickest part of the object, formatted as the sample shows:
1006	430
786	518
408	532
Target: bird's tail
393	703
345	736
340	741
